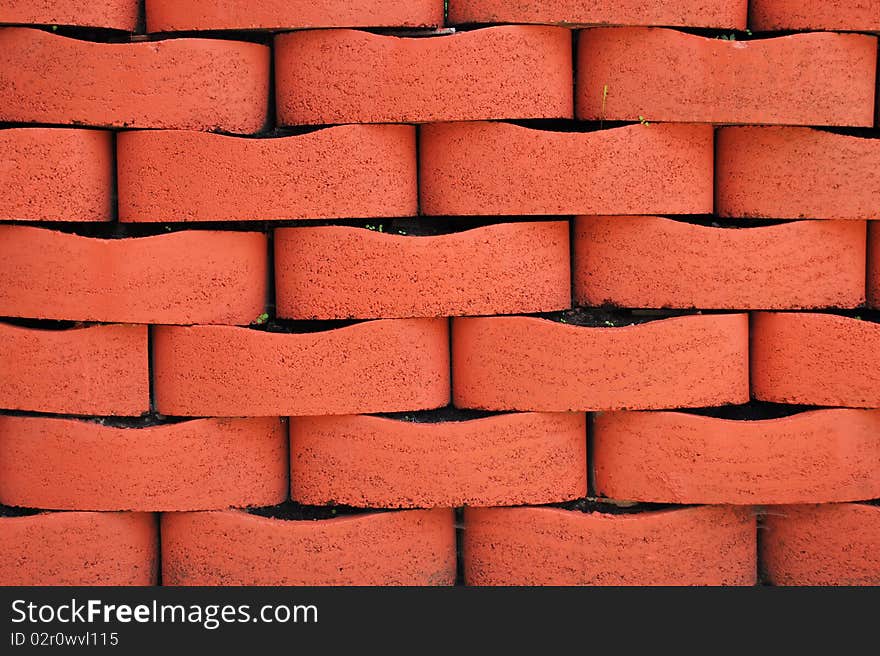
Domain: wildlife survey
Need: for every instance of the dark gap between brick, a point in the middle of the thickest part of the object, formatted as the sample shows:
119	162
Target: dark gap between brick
751	411
292	511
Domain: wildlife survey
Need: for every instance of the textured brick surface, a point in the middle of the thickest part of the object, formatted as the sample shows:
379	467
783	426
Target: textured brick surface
184	277
521	363
686	13
550	546
654	262
45	78
347	171
114	14
816	359
665	75
874	264
173	15
498	168
673	457
842	15
499	72
415	547
195	465
339	273
515	459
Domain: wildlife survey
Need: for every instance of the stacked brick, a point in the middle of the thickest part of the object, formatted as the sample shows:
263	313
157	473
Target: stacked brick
376	293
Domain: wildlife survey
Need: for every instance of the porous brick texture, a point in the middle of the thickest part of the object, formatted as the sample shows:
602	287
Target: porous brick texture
426	293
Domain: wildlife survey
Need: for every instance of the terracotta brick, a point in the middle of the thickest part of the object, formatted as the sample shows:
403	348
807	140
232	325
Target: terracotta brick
366	461
526	363
815	359
79	548
111	14
666	75
551	546
178	278
874	263
198	84
674	457
97	370
337	272
496	168
653	262
415	547
341	172
37	162
839	15
834	544
203	464
499	72
377	366
793	173
173	15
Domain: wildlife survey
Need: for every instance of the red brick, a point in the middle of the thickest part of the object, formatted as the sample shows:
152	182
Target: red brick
525	363
834	544
874	263
377	366
840	15
653	262
204	464
415	547
497	168
98	370
380	462
173	15
686	13
665	75
178	278
815	359
674	457
796	173
551	546
199	84
79	548
37	162
341	172
111	14
499	72
337	272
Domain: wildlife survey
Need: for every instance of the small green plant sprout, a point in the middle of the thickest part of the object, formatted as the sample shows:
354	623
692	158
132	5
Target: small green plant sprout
54	28
858	318
260	320
375	227
610	324
604	102
727	37
643	120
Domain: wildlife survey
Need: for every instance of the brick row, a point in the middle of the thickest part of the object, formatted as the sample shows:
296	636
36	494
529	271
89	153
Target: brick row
769	15
109	14
399	365
203	464
470	168
674	457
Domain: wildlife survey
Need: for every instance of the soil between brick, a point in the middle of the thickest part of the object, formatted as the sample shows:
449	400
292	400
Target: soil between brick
14	511
609	317
296	512
752	411
143	421
441	415
598	505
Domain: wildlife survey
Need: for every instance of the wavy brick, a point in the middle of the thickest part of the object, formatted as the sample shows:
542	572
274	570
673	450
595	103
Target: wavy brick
415	547
79	548
179	278
38	162
525	363
377	366
684	13
341	172
551	546
815	359
666	75
496	168
110	14
175	16
98	370
796	173
653	262
833	544
840	15
380	462
198	84
337	272
204	464
674	457
500	72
